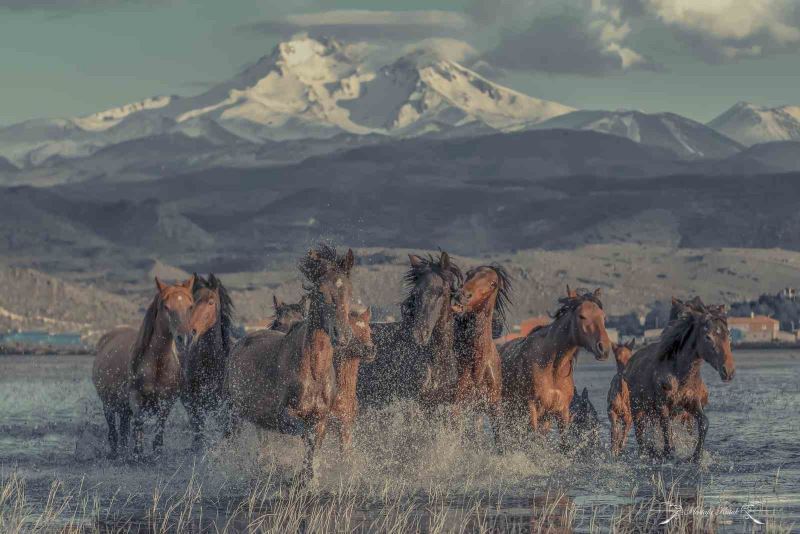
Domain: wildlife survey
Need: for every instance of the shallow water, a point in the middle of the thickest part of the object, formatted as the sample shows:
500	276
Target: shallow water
51	428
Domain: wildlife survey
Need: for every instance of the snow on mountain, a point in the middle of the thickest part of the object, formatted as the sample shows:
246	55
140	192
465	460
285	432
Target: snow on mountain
686	138
306	88
750	124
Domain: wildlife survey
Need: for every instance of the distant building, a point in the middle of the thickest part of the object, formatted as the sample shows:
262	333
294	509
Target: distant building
788	293
652	334
754	329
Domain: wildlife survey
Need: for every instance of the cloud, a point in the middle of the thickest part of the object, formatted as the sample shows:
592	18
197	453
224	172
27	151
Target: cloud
723	30
357	24
581	37
72	5
445	48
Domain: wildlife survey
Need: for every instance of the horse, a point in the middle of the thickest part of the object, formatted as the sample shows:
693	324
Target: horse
203	372
584	429
537	369
139	373
347	361
414	357
286	382
484	295
664	378
619	399
287	315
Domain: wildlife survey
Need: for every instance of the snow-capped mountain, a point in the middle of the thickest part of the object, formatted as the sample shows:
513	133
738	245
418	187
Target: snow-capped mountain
686	138
750	124
306	88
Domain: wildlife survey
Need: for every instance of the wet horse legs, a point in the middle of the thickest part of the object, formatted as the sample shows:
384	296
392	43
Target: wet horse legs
111	420
312	439
702	429
664	421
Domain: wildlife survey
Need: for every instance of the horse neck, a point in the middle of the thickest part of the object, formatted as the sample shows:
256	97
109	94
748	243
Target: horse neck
443	336
478	337
559	344
212	343
161	344
686	363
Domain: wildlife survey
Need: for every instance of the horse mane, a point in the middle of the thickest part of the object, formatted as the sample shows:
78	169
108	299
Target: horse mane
145	334
503	297
569	304
318	261
679	330
451	274
227	309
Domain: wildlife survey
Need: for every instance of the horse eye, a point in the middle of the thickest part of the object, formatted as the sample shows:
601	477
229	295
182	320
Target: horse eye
582	317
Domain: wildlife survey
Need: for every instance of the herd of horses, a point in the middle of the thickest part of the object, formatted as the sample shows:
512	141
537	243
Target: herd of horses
321	360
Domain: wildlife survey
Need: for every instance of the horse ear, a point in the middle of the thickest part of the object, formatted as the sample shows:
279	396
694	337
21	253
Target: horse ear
349	261
213	281
189	284
571	293
444	261
161	286
631	343
366	315
597	293
585	394
275	302
416	261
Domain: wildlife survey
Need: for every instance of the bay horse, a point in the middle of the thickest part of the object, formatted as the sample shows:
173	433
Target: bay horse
538	368
484	296
664	378
139	373
210	327
414	357
286	382
347	361
619	399
286	314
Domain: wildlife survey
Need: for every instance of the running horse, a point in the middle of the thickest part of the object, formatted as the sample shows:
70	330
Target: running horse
414	357
210	344
664	378
286	382
139	373
619	399
482	298
538	368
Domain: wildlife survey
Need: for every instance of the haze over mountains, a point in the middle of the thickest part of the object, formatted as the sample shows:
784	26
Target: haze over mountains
311	142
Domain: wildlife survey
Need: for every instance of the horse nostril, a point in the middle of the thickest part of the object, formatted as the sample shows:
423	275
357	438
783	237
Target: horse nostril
194	331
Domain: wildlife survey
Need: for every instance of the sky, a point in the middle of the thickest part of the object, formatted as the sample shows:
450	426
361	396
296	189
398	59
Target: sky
61	58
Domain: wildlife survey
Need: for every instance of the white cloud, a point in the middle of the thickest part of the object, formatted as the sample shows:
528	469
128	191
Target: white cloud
445	48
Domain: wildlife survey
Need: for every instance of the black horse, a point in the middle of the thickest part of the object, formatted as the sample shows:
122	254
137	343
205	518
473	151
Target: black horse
415	357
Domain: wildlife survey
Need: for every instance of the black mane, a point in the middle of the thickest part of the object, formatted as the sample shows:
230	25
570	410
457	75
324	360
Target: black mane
568	304
451	274
685	320
227	309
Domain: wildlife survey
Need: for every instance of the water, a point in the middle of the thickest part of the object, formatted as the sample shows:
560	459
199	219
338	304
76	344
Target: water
52	429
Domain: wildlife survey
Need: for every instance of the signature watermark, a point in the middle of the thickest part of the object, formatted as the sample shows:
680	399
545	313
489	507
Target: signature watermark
748	511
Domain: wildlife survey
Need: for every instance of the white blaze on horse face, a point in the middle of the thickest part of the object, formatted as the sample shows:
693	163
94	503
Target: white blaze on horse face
360	324
339	282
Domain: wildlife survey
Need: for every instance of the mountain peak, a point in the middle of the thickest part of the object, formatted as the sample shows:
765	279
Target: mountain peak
752	124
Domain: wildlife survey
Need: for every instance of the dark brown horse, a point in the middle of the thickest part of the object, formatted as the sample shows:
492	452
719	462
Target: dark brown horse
347	361
209	347
619	399
664	378
286	382
139	373
414	357
287	315
537	369
484	295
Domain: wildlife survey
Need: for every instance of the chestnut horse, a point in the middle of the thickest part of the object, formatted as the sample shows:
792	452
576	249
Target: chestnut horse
537	369
138	374
483	296
210	344
664	378
619	399
414	357
287	315
347	361
286	382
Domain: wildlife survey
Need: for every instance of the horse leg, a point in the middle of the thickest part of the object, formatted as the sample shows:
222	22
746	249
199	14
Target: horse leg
138	432
533	415
702	429
615	432
111	420
312	439
563	419
124	425
346	434
665	430
161	421
639	428
495	420
197	422
627	421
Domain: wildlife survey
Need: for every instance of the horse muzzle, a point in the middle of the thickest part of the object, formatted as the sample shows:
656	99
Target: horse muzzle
726	374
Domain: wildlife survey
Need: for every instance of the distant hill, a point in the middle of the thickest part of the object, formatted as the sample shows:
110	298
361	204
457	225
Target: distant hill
751	124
